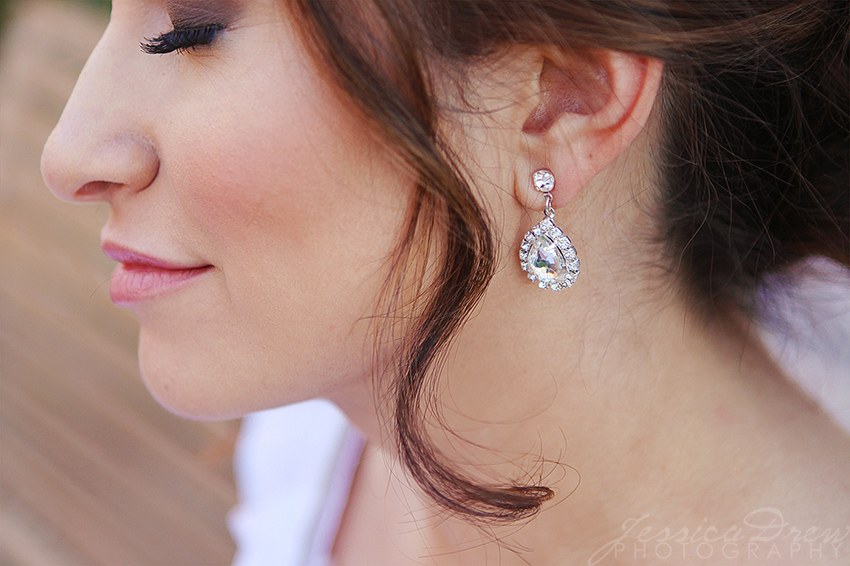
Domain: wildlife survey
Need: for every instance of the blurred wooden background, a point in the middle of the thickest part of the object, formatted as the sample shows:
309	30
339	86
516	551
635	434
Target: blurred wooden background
92	470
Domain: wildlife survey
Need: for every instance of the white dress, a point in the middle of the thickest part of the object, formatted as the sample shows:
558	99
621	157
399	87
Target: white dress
293	467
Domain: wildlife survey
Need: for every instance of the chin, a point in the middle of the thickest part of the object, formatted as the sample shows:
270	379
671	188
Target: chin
189	383
199	383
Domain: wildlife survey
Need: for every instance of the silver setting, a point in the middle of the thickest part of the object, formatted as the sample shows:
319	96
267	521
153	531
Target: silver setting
546	254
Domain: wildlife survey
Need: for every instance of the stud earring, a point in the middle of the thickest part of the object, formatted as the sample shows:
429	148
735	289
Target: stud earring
546	253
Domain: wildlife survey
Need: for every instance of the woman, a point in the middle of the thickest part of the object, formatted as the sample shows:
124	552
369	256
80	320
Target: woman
327	199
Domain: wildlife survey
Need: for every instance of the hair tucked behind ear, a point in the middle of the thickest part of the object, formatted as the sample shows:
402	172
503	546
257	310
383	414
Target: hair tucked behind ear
754	173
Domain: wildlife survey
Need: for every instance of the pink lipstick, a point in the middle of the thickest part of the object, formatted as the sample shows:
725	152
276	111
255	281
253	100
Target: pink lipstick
139	277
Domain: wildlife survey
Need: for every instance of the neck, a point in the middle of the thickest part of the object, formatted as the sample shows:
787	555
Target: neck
646	411
632	410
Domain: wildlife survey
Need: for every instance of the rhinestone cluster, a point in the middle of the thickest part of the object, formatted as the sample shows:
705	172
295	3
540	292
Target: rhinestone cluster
548	256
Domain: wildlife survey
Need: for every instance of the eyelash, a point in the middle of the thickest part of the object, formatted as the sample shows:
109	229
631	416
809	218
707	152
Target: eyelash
181	39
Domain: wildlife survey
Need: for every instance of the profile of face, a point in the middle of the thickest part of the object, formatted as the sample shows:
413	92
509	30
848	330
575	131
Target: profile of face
252	211
256	216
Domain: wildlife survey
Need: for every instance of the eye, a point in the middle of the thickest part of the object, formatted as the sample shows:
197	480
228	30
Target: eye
182	38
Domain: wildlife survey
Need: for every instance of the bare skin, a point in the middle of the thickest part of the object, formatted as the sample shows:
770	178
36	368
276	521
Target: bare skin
743	445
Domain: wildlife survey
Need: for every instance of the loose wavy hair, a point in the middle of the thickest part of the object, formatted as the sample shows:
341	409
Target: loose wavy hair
754	167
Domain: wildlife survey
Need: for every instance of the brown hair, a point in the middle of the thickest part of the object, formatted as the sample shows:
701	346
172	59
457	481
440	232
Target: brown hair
754	165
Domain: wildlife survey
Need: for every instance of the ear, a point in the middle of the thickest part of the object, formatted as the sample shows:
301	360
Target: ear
591	106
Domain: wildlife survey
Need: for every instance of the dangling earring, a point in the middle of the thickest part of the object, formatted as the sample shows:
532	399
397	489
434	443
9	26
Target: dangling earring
546	253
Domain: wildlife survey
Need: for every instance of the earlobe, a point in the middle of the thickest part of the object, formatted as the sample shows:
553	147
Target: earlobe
591	107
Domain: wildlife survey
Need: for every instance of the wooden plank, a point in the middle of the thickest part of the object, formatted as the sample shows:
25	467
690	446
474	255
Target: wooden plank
92	470
118	489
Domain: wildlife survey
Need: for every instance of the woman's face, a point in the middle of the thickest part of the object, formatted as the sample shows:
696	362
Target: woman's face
251	210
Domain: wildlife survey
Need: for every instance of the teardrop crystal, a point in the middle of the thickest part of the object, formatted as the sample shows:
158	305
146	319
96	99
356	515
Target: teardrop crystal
545	261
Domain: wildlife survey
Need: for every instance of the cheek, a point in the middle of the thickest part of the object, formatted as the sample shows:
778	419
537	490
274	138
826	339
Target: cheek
244	176
287	170
285	154
291	199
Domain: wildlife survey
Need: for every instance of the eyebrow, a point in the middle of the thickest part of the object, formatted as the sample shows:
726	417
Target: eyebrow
202	12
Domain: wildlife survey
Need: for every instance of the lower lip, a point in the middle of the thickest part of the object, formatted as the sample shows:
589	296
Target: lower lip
133	283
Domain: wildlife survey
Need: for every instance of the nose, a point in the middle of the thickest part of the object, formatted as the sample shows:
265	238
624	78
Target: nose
100	145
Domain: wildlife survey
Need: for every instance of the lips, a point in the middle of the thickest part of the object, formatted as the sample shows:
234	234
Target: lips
139	277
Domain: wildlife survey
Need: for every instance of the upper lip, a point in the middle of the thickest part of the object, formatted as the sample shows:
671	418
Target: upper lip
131	257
